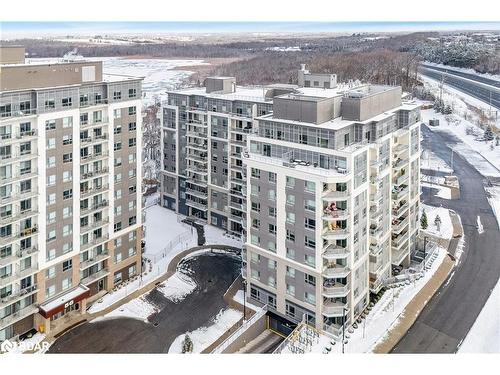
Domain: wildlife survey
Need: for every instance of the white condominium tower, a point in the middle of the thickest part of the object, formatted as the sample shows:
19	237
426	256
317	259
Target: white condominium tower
332	198
70	188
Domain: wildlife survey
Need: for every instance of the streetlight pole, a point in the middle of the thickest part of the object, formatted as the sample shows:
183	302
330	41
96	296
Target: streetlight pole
425	245
244	300
343	328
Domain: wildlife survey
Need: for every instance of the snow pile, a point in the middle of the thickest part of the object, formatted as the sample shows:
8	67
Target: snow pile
205	336
34	344
479	226
446	227
217	236
484	336
433	162
177	287
138	308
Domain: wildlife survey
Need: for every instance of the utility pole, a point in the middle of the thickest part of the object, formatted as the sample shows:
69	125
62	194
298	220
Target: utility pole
425	245
343	328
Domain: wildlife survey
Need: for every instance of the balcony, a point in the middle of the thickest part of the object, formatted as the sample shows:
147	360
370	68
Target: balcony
197	158
94	190
335	234
334	309
332	195
400	210
95	156
17	316
333	215
94	224
95	173
335	271
399	225
17	294
401	179
333	329
95	276
398	241
94	260
400	193
197	193
94	207
197	205
94	242
334	252
28	231
397	256
336	290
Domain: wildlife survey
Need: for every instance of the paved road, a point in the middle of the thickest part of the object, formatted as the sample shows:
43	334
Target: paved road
450	314
213	275
452	78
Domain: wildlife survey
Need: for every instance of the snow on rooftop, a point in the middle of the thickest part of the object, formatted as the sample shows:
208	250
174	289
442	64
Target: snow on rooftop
61	300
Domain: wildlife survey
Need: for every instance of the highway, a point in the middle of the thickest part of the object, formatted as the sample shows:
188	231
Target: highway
450	314
479	87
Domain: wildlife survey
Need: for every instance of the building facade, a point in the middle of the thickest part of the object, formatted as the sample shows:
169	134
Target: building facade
332	177
70	189
204	131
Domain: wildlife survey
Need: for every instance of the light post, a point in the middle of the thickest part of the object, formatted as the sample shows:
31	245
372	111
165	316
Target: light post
344	310
425	245
244	300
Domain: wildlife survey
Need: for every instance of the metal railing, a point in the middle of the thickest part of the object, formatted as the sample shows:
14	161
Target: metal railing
244	326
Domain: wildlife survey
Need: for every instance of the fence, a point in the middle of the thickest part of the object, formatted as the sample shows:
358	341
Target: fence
225	344
179	239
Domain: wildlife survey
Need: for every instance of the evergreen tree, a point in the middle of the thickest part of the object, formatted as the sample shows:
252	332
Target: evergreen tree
447	110
423	221
488	134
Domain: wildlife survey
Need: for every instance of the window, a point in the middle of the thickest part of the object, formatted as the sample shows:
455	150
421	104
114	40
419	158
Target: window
117	113
51	162
254	239
310	298
132	142
256	223
68	158
67	102
290	181
50	125
290	218
67	194
67	265
50	291
309	223
132	93
272	228
272	177
290	290
290	236
255	173
309	279
272	195
255	274
51	217
50	104
51	143
272	211
271	246
309	242
67	140
310	260
290	253
255	206
117	226
117	130
66	283
51	199
51	180
290	199
290	272
67	176
132	126
310	205
132	110
310	186
117	95
117	146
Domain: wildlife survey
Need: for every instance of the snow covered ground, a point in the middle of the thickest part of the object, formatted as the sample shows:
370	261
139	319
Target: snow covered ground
159	75
384	315
442	191
484	336
216	236
138	308
446	227
434	163
203	337
238	297
475	152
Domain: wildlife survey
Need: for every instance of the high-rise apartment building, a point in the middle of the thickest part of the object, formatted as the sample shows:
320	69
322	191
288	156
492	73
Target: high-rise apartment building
70	188
332	177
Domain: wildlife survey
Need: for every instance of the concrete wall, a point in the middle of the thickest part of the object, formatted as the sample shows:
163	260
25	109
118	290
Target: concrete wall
221	84
315	111
370	105
12	54
49	75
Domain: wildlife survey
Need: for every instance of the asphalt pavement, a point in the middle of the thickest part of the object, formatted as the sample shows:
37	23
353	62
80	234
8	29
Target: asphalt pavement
450	314
474	89
213	273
